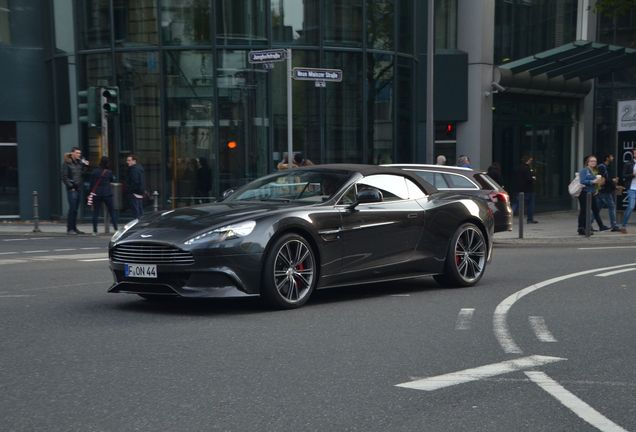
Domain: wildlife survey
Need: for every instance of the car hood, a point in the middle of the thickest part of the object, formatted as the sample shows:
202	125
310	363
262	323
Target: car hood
181	223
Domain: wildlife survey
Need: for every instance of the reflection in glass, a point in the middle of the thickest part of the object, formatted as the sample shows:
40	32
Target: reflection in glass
405	119
380	107
139	114
306	108
94	23
380	14
343	22
405	26
296	21
135	22
343	111
241	22
185	22
191	150
445	24
243	122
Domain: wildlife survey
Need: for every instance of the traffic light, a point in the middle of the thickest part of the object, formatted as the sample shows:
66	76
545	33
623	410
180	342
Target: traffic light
89	101
232	145
111	104
450	128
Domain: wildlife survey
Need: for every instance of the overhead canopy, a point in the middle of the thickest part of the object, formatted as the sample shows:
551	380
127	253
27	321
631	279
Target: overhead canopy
564	70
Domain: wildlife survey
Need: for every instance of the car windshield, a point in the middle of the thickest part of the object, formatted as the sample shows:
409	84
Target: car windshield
295	185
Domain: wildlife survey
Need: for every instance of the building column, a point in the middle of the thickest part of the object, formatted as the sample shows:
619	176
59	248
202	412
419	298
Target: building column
476	35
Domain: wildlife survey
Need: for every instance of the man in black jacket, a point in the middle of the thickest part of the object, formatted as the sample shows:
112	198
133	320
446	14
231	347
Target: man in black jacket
72	169
135	186
525	179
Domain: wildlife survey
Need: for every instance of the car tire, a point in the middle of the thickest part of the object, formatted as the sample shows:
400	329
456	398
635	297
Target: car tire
291	272
466	258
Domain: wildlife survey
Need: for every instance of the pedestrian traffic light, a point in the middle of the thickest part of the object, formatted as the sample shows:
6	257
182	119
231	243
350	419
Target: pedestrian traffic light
87	108
450	128
111	104
232	144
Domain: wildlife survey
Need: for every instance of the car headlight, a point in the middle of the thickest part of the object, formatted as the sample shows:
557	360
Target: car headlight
120	232
227	232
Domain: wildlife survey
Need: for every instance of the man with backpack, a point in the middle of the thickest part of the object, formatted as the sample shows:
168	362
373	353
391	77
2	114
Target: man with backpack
607	194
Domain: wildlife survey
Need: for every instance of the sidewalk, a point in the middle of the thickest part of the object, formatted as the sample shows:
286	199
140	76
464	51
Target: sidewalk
553	228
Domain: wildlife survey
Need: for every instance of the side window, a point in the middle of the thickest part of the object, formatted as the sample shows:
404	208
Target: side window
414	190
393	187
459	182
434	178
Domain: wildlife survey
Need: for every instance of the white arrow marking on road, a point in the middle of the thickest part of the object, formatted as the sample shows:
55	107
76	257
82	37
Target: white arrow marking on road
540	329
464	319
576	405
479	373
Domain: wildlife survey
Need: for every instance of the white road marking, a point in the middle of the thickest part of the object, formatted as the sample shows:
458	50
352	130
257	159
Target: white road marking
478	373
64	250
36	251
464	319
93	260
607	247
71	256
400	295
9	253
615	272
90	248
12	240
573	403
540	329
40	238
500	317
16	295
12	261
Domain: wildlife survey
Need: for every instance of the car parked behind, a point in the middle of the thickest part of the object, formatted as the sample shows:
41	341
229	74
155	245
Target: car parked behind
469	181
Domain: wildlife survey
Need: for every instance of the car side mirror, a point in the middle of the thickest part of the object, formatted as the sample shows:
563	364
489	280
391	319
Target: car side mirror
367	196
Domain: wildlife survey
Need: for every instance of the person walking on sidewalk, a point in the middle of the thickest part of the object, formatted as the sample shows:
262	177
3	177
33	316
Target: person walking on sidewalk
607	194
526	179
73	168
135	186
629	172
102	192
592	182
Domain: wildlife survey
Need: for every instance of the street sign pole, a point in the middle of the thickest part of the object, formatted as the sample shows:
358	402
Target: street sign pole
290	144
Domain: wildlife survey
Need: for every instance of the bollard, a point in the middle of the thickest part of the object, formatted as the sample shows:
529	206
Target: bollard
521	203
155	201
36	213
588	214
106	220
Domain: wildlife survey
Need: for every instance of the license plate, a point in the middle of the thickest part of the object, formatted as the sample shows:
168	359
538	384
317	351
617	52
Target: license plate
140	270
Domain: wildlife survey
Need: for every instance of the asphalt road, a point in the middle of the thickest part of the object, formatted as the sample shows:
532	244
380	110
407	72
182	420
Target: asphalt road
543	356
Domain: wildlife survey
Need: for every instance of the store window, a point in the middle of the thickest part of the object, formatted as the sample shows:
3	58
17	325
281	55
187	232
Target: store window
404	148
306	109
139	115
94	23
135	22
9	192
445	24
243	127
5	24
185	22
295	22
241	22
191	150
380	77
405	26
343	110
343	22
380	15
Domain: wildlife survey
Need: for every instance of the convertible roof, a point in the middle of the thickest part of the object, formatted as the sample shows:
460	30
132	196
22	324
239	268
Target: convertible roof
366	170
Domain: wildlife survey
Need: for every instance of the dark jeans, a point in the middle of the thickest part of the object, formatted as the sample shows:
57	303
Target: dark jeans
529	205
136	206
595	211
73	198
97	206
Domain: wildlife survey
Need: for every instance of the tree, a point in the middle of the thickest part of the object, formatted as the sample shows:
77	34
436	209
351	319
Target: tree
614	7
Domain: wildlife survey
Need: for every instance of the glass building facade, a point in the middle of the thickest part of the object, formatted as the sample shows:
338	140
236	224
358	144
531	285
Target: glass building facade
202	119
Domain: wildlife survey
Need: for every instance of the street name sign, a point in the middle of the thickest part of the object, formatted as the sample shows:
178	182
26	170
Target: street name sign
317	74
267	56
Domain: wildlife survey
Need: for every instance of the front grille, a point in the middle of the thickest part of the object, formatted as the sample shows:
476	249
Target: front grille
150	253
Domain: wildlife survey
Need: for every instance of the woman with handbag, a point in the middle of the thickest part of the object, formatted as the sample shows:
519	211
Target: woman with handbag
102	192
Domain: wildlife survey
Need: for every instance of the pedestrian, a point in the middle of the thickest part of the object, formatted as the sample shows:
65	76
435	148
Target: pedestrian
494	172
136	186
629	172
284	164
592	182
299	160
73	168
525	180
463	161
203	180
606	197
102	192
441	160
